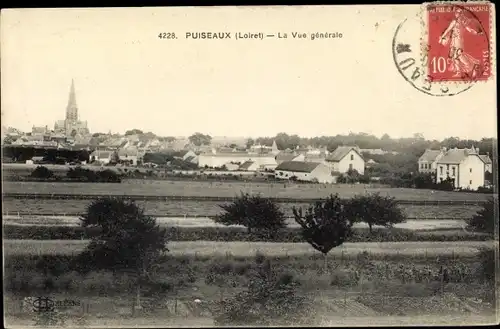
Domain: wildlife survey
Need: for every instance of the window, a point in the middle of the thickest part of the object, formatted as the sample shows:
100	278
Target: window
352	156
441	170
470	170
350	166
470	182
453	171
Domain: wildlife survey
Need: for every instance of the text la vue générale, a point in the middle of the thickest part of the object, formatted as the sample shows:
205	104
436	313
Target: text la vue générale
261	35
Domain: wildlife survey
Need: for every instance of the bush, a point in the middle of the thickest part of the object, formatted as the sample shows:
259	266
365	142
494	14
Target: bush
256	213
42	172
87	175
271	298
487	268
484	220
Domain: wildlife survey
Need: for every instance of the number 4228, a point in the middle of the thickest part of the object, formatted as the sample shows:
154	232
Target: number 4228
165	35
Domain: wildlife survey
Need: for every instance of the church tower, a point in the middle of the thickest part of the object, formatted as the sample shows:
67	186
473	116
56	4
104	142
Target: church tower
72	109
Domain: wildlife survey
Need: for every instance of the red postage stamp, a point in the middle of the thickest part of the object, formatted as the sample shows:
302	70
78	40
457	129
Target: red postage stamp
458	43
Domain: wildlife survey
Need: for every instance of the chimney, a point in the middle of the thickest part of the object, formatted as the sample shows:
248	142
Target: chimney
488	154
477	150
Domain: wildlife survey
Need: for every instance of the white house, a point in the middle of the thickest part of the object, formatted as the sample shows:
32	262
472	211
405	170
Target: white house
346	158
427	163
464	166
215	159
304	171
130	155
103	157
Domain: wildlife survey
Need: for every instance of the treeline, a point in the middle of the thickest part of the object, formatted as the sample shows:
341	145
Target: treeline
77	174
413	145
50	155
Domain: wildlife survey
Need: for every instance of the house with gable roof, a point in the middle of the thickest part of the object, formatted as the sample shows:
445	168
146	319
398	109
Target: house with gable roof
487	162
102	156
346	158
427	163
464	166
288	156
304	171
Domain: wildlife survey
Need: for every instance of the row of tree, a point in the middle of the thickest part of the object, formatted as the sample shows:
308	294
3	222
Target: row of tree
264	216
77	174
50	155
413	145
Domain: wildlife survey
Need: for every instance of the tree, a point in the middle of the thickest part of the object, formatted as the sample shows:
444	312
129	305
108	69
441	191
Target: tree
374	209
74	133
253	212
484	220
128	240
115	157
325	225
133	132
199	139
42	172
250	143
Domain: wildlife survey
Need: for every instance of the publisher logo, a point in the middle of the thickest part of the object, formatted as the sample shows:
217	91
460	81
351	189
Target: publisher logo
46	304
43	304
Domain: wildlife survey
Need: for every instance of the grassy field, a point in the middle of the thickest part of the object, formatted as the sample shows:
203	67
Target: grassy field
248	249
232	189
365	287
211	208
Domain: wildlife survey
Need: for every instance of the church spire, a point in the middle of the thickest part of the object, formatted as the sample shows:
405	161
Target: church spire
72	109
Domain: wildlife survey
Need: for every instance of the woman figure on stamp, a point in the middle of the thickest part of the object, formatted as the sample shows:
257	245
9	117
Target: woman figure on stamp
462	63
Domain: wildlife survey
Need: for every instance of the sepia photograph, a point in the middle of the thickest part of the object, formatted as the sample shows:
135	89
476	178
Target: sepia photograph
250	166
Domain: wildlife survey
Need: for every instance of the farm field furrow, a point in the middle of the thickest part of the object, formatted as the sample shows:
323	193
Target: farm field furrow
249	249
207	222
231	189
210	208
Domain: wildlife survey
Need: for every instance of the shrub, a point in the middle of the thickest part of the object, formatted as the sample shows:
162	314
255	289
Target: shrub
270	299
484	220
488	261
42	172
375	210
87	175
255	213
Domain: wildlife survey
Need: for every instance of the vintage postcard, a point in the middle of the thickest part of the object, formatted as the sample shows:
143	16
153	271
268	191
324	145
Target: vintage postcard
250	166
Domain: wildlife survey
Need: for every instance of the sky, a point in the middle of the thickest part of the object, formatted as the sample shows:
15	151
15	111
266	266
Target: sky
126	77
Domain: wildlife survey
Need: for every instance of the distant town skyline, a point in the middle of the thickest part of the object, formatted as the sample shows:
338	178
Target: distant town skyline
126	78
